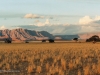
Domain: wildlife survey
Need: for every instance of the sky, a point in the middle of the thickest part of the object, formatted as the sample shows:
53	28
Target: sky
54	16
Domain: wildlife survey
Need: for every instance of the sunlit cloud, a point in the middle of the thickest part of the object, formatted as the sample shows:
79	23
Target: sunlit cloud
2	27
33	16
85	20
86	24
47	22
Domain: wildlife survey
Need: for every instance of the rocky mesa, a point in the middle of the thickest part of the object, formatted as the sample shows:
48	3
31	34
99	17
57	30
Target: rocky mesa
24	34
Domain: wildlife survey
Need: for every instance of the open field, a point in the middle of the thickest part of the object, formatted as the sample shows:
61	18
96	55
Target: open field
50	58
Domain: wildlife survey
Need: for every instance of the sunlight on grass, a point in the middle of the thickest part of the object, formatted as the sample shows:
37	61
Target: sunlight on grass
51	59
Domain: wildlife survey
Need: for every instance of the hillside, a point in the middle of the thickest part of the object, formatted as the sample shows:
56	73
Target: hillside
80	36
24	34
88	35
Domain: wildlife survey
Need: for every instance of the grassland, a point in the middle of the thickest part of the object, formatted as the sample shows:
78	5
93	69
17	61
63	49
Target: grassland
50	58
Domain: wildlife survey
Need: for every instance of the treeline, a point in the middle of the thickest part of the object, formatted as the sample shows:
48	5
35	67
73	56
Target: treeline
94	38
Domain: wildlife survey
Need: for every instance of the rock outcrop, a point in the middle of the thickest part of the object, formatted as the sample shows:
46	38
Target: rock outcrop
24	34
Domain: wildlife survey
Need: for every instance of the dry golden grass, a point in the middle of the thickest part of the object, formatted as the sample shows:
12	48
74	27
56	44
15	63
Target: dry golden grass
51	58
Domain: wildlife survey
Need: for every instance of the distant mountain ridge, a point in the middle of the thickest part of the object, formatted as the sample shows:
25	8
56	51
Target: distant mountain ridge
67	37
88	35
24	34
80	36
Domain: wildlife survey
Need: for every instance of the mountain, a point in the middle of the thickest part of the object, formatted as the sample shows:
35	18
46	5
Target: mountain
80	36
67	37
24	34
88	35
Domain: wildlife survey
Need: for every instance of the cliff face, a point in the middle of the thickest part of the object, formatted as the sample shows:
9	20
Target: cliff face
24	34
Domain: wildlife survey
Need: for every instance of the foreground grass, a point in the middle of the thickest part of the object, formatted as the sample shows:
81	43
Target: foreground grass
51	59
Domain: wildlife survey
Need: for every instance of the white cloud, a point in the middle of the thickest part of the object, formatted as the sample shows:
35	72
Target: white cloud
2	27
40	24
47	22
36	21
85	29
85	20
89	24
33	16
86	24
97	18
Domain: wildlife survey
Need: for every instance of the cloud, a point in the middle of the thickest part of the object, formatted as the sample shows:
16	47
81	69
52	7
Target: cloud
2	27
85	20
47	22
63	29
89	24
86	25
97	18
36	21
87	29
40	24
33	16
55	29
